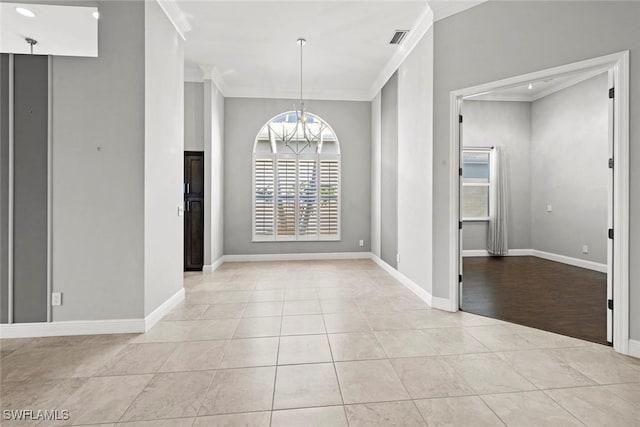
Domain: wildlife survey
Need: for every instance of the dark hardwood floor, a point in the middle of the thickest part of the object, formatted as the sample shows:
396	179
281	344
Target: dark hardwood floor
535	292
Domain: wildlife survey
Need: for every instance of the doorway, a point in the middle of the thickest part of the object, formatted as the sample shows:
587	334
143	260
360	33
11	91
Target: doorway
194	210
615	233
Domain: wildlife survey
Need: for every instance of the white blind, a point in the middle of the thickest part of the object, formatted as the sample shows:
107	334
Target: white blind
286	198
264	215
329	196
307	197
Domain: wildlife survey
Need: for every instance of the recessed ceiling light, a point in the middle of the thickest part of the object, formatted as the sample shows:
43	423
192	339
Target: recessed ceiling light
25	12
530	86
96	14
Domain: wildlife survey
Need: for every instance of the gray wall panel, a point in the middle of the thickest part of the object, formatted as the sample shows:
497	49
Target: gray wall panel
389	173
351	121
4	185
508	125
30	188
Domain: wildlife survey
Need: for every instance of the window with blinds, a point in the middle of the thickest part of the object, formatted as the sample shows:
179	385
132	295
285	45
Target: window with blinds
296	181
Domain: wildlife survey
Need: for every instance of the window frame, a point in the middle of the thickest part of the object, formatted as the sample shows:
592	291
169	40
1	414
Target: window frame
274	157
489	184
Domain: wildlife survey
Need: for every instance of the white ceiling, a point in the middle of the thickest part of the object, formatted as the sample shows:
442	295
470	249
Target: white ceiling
59	30
249	47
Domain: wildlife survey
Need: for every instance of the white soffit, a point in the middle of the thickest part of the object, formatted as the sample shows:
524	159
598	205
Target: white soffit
251	45
59	30
539	89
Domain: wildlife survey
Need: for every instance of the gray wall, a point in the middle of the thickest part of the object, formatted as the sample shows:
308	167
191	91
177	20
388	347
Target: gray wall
4	185
243	119
569	171
508	125
163	158
194	116
389	173
31	91
98	172
548	34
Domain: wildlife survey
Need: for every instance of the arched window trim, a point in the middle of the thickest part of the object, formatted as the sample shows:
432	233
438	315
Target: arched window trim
285	204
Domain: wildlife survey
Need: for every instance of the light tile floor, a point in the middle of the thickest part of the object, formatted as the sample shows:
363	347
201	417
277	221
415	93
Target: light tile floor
325	343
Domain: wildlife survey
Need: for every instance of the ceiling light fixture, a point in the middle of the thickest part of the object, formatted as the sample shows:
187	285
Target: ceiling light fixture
530	86
96	14
25	12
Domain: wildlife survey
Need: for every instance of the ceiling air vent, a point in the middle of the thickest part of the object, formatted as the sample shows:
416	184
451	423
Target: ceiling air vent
398	36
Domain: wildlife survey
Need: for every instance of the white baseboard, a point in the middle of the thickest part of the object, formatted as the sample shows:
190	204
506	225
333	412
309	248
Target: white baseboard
634	348
91	327
590	265
423	294
75	327
156	315
576	262
296	257
483	252
213	267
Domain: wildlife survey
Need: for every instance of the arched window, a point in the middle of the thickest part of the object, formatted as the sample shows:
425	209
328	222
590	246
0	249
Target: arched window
296	180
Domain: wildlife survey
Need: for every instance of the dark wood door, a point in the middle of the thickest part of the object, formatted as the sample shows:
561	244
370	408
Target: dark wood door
194	210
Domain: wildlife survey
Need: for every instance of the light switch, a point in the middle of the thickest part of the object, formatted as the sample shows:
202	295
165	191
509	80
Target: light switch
549	208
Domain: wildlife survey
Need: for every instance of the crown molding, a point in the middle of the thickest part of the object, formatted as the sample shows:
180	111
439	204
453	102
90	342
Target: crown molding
210	72
415	35
175	16
318	94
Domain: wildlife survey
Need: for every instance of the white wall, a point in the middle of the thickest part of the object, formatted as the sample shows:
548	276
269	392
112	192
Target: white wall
376	130
569	171
194	116
415	145
163	158
214	172
98	172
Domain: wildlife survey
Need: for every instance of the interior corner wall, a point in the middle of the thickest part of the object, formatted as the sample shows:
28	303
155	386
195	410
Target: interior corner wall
163	158
508	125
414	163
213	120
98	172
549	34
376	158
569	171
193	116
389	172
351	121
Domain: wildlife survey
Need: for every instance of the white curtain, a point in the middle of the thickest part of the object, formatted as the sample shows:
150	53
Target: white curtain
497	238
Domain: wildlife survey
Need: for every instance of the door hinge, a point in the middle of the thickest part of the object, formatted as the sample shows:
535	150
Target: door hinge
611	233
460	225
612	92
460	171
611	163
459	278
459	118
610	304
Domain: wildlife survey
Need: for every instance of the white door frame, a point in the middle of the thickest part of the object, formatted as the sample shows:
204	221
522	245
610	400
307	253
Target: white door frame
619	64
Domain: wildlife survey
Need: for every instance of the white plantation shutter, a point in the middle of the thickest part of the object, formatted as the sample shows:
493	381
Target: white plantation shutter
296	181
264	200
286	198
308	197
329	198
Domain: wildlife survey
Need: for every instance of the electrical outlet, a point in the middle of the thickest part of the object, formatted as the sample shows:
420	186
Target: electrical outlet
585	249
549	208
361	243
397	257
56	298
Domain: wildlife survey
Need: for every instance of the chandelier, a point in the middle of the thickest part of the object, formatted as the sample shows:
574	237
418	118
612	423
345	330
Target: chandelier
306	131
